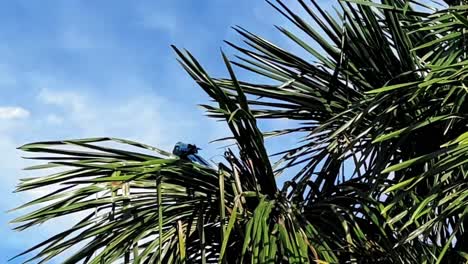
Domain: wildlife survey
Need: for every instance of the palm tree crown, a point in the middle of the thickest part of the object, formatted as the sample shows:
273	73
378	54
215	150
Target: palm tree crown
381	171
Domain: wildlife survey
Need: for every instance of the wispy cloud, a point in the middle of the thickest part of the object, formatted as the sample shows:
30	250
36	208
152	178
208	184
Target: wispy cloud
54	119
13	112
144	117
62	98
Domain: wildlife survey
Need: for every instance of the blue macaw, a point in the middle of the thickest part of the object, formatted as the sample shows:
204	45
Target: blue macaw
189	152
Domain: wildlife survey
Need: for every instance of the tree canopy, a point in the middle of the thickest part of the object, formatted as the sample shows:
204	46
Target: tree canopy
383	92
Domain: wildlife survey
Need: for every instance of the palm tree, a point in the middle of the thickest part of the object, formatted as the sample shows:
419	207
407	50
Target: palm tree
382	168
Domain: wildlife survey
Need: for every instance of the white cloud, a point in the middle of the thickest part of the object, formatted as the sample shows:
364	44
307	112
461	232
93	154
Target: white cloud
13	112
66	99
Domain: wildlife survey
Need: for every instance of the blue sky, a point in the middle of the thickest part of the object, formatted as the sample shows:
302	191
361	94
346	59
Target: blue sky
73	69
